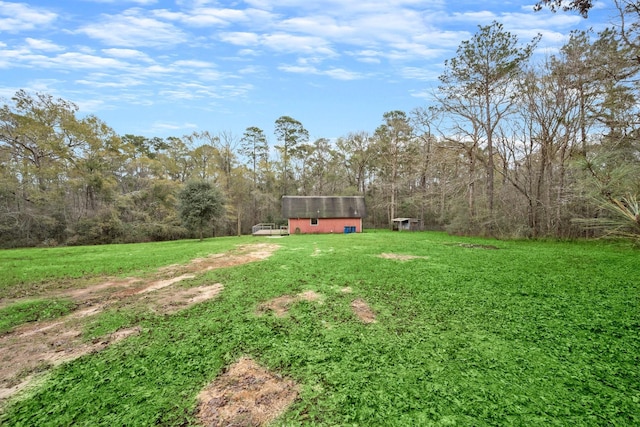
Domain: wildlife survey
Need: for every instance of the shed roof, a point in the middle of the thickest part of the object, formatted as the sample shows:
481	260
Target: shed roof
323	207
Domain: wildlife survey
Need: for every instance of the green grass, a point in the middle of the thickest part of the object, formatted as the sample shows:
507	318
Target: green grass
33	310
534	333
34	271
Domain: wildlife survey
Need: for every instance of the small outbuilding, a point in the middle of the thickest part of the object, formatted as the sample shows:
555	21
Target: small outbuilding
323	214
407	224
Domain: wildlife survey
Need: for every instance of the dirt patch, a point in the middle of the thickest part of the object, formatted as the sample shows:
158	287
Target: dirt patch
36	347
309	296
363	311
280	305
245	395
99	290
243	254
183	298
43	350
399	257
476	246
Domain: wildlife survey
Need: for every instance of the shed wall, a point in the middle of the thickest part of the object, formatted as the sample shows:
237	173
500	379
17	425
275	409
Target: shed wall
324	226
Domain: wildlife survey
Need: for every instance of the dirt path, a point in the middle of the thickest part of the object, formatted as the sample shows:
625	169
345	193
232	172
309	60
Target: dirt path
37	347
245	395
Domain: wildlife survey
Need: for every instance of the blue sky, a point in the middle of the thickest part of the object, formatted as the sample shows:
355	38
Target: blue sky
169	68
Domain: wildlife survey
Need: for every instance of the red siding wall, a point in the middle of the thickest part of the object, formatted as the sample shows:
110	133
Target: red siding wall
325	225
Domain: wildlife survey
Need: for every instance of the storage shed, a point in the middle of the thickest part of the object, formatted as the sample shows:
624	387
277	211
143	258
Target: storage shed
324	214
407	224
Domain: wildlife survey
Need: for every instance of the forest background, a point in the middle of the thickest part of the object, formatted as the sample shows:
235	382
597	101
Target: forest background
508	147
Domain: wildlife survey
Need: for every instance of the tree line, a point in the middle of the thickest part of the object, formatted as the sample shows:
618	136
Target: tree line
508	147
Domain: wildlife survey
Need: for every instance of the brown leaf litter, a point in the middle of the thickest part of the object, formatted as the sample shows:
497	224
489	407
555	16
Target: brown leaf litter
35	347
245	395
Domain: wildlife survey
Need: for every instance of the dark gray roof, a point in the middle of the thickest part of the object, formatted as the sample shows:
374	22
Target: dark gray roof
323	207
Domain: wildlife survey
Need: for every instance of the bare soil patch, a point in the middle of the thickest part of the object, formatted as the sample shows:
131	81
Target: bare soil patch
36	347
309	296
280	305
182	298
245	395
363	311
477	246
28	353
400	257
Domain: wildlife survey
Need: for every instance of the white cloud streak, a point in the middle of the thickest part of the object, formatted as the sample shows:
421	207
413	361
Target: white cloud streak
133	29
20	17
210	52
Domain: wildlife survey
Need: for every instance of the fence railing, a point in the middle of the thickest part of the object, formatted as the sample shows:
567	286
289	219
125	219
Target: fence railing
267	226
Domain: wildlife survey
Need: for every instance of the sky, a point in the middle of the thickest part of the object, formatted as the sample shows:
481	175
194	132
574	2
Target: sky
172	68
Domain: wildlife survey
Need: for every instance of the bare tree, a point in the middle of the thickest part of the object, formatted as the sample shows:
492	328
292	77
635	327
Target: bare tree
477	85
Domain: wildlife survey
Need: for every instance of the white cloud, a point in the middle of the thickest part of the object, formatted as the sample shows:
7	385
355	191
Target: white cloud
38	85
290	43
368	56
200	16
90	105
321	26
10	58
248	52
17	17
478	17
138	2
127	54
157	69
172	126
215	55
539	20
201	19
240	38
77	60
133	29
413	51
68	61
334	73
103	80
302	69
179	94
252	69
342	74
422	94
40	44
207	75
193	63
418	73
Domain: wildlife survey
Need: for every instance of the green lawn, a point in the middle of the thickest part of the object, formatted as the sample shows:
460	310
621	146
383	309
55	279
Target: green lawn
531	333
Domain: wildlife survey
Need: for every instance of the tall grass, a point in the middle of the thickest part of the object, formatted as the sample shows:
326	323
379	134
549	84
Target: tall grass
533	333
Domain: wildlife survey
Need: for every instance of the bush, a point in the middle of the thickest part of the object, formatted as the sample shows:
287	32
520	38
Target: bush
102	228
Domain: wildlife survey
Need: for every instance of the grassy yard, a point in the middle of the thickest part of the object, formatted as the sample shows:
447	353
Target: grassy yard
470	332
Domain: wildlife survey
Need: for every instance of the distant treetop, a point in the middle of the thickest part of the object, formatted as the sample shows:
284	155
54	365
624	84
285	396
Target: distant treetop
581	6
